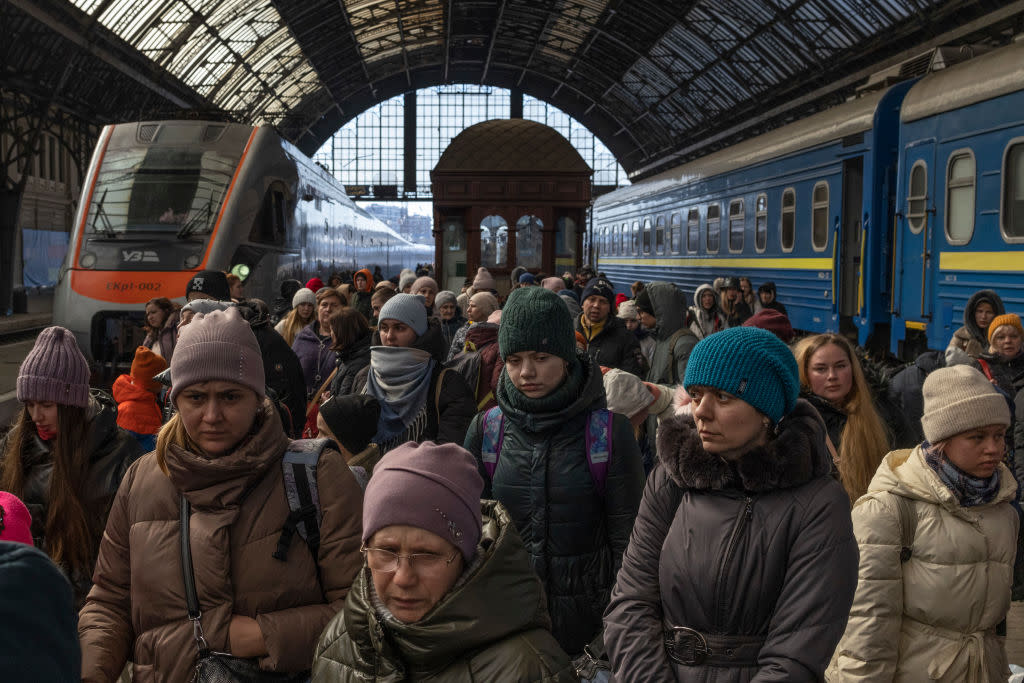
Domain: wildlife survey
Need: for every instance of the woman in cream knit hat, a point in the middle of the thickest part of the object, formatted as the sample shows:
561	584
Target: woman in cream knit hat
938	539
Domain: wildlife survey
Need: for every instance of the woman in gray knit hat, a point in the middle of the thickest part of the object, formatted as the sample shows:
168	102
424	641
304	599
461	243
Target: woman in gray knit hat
65	455
938	539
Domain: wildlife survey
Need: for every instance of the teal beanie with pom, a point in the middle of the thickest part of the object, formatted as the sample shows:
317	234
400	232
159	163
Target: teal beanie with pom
535	319
749	363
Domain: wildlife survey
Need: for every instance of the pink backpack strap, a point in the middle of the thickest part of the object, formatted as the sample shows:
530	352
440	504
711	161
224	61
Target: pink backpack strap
599	447
493	423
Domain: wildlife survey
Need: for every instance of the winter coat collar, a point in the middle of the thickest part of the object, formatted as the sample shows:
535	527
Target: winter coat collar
223	482
590	397
466	621
795	456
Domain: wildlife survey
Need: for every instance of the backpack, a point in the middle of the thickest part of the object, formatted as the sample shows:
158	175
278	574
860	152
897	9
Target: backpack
469	364
598	444
300	487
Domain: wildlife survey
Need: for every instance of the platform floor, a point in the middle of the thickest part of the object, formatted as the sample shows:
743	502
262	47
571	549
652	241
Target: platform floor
40	314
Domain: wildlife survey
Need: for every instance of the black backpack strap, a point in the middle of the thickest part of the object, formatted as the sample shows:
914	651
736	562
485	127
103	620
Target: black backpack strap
300	486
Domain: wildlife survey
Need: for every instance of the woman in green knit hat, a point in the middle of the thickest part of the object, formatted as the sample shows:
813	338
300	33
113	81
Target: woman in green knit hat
568	471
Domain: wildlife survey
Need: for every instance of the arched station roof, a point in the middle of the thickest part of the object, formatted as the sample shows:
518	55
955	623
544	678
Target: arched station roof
511	146
654	79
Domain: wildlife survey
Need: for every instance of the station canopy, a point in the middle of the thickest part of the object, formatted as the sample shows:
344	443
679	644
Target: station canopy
653	79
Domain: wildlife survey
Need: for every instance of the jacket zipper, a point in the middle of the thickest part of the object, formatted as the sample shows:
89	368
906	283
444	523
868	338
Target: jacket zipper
738	527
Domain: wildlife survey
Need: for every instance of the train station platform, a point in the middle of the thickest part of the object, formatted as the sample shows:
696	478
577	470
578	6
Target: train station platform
17	335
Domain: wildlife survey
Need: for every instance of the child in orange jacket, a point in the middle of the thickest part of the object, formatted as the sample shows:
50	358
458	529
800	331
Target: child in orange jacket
138	412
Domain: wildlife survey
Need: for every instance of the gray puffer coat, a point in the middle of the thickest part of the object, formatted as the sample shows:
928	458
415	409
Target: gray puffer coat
762	548
574	536
675	341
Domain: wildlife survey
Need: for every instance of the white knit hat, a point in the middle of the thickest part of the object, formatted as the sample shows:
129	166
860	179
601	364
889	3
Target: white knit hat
958	399
627	393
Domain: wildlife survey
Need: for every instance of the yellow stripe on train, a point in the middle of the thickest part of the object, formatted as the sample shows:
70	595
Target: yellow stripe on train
982	260
713	262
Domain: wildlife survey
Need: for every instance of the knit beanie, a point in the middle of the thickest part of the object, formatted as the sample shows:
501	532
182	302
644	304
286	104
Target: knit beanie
205	306
304	296
483	279
314	284
485	301
352	418
406	280
1011	319
774	321
495	317
527	279
212	283
533	319
54	370
515	274
627	310
444	297
626	393
570	294
643	303
145	365
15	520
406	308
430	486
217	346
555	284
749	363
960	398
598	286
422	282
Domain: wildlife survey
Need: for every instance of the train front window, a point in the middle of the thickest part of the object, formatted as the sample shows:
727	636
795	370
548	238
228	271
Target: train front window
1013	194
177	191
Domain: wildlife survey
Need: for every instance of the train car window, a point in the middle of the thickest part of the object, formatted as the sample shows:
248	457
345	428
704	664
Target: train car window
737	224
1013	194
270	225
819	216
636	238
659	235
647	236
624	239
917	197
761	223
788	227
693	231
676	238
960	197
714	237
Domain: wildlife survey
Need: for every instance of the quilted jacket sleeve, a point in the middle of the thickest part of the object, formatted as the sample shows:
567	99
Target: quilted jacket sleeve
458	406
624	487
868	649
633	621
291	634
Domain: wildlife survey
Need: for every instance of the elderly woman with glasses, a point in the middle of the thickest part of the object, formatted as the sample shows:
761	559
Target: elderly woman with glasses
446	592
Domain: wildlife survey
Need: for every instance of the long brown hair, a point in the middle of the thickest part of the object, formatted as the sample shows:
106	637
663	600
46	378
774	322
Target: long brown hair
73	525
165	305
348	326
865	438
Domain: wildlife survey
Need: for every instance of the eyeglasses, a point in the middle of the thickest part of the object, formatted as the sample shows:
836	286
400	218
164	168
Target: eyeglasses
380	560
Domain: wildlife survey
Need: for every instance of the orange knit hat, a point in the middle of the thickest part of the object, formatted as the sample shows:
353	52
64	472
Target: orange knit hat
1011	319
145	365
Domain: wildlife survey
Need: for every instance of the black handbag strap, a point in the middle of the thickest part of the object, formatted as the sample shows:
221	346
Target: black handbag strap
188	574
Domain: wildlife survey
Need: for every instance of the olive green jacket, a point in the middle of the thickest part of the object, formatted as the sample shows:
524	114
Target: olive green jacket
492	626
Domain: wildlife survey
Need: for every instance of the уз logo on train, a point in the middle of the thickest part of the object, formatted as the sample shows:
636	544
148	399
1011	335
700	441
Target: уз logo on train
139	256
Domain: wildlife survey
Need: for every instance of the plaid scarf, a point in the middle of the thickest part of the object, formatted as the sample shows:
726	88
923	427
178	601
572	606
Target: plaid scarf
969	491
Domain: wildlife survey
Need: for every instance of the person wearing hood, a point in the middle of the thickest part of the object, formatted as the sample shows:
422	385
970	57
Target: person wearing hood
938	538
766	298
218	467
363	281
742	563
574	533
449	314
480	307
630	317
662	310
65	456
419	399
446	592
609	343
971	340
705	316
313	343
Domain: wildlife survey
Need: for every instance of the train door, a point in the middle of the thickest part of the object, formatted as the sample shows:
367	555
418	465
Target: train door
851	238
915	303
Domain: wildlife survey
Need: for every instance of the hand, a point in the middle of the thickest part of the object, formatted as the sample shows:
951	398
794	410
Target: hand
245	638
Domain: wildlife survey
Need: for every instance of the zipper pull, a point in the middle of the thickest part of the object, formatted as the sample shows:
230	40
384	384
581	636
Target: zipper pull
750	507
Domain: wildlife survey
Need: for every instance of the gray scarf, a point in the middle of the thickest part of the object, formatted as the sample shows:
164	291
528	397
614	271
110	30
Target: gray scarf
399	379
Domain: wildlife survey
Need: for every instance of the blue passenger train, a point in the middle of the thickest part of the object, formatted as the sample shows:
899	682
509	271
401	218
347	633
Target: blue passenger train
878	216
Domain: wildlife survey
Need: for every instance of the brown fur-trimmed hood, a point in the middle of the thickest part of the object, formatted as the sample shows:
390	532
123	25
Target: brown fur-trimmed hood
795	456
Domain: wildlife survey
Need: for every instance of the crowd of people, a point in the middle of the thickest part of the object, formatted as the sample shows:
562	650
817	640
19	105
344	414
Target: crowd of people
545	479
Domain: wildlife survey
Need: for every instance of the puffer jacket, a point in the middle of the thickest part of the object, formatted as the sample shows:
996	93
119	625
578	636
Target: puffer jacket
933	617
906	390
574	536
672	351
351	360
315	356
111	451
492	626
1008	373
614	346
137	409
282	373
136	609
970	341
761	548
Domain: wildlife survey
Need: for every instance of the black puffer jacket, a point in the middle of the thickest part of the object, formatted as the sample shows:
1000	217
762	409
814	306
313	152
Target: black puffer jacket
906	390
574	537
351	360
763	547
111	451
615	346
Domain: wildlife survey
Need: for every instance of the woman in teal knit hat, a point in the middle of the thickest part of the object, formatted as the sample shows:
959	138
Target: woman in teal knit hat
742	564
535	454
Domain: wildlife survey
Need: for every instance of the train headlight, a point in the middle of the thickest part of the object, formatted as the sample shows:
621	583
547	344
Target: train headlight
241	270
191	261
88	260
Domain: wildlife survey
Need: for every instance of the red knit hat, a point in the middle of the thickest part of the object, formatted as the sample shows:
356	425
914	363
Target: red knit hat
315	283
145	366
15	520
773	321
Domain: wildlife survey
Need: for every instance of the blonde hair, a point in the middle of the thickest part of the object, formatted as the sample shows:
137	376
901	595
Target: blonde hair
865	438
173	432
293	324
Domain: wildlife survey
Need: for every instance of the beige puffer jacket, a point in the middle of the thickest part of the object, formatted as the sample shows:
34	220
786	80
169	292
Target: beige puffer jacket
934	617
